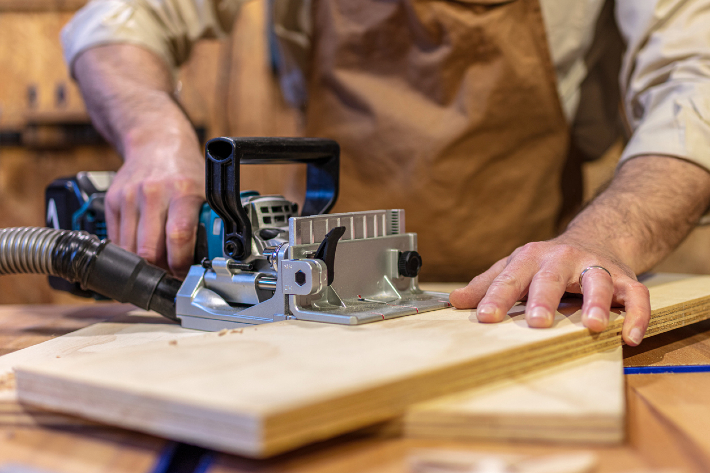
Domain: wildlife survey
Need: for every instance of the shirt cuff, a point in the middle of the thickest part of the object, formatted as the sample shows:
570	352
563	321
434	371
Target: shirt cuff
110	22
676	123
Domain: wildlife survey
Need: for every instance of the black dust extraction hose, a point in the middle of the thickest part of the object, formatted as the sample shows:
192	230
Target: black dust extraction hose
97	265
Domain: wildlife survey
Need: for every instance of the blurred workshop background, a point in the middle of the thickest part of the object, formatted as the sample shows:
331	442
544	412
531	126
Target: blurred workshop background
45	132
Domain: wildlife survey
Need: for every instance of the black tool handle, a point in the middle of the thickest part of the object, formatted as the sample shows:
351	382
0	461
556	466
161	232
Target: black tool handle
223	156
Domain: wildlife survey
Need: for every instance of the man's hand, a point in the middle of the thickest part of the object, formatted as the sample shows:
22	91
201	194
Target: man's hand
651	205
544	271
152	207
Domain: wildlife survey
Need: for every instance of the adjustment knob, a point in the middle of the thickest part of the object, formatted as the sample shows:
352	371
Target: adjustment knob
409	263
234	247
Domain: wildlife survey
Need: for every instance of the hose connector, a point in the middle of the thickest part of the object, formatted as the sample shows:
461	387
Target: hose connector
99	266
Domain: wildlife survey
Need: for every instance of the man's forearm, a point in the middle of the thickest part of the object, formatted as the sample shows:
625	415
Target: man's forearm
128	93
649	208
153	204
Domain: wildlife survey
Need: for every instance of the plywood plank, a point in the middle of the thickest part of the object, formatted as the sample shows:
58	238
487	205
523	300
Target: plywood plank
268	389
581	401
43	441
585	396
135	328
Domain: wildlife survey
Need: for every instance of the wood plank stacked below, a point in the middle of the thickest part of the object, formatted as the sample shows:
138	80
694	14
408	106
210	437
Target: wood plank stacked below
577	402
264	390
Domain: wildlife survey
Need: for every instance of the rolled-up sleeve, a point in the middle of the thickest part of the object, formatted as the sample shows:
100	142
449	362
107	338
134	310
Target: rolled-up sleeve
169	28
665	78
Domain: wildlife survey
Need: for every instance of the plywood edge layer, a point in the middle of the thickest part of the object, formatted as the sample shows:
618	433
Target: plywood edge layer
592	422
609	430
386	402
193	424
493	412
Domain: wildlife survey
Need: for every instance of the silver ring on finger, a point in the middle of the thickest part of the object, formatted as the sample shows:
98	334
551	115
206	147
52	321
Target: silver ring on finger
589	268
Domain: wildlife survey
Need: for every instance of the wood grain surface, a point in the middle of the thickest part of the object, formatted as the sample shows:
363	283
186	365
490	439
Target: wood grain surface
683	347
669	418
263	390
653	441
132	329
33	438
582	401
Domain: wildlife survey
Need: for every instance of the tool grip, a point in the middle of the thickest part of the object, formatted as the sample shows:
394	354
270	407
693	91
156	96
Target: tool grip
223	158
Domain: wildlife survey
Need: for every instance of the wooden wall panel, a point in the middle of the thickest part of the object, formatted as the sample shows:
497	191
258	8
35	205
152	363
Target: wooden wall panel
30	57
227	87
40	5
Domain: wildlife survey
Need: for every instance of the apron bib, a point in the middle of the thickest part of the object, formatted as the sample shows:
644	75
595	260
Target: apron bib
449	110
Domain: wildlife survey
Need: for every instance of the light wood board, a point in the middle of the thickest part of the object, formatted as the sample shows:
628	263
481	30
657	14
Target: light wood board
581	401
97	338
268	389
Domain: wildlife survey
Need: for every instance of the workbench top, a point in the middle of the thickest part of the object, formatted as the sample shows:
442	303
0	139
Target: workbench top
668	418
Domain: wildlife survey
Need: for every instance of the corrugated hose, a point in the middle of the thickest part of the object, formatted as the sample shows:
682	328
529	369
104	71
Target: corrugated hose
99	266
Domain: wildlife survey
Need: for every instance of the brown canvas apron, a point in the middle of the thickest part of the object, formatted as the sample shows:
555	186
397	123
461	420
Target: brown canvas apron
449	110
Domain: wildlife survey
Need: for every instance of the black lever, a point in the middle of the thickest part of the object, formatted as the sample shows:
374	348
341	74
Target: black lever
326	250
223	156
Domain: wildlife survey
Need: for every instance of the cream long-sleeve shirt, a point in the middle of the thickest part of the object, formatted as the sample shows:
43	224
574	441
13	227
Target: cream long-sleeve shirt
664	78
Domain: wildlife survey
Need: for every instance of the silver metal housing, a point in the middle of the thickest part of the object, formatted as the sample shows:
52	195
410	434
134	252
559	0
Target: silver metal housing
367	286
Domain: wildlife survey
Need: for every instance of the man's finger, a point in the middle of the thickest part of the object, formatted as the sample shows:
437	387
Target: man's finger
468	297
181	233
546	289
150	241
598	290
128	223
636	300
504	291
113	221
